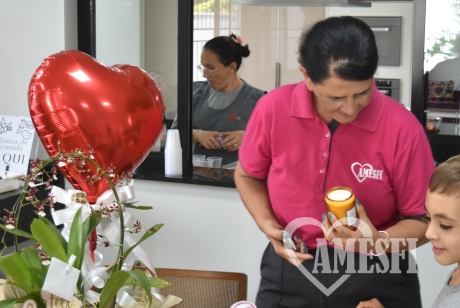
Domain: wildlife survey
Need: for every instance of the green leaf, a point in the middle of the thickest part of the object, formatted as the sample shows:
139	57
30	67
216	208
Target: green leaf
90	224
32	261
113	285
35	296
146	235
48	240
143	281
56	232
39	272
77	242
111	268
14	266
154	282
8	303
140	207
18	232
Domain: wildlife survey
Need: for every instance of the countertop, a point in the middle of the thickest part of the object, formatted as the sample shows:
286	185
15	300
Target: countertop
153	169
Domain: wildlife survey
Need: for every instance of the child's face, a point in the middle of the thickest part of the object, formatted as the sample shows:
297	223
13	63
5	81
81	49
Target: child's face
444	227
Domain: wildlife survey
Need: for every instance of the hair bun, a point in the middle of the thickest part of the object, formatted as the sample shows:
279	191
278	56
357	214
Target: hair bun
237	39
245	51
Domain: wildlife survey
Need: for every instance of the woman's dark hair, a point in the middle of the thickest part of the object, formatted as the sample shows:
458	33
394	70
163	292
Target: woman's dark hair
227	49
341	46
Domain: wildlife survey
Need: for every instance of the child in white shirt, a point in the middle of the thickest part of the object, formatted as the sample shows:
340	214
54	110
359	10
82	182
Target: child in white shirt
443	213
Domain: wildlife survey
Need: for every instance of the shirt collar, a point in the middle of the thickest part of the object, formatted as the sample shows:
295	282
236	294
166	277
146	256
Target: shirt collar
368	118
302	105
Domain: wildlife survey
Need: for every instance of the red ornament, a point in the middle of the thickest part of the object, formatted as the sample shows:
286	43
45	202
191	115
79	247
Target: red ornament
81	103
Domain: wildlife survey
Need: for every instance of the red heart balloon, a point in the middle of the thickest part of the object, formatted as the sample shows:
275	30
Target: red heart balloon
78	102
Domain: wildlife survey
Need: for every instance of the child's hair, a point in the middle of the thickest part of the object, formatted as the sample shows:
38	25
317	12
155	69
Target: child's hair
445	179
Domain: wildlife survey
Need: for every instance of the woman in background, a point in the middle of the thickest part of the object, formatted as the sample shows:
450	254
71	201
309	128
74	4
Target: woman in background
223	104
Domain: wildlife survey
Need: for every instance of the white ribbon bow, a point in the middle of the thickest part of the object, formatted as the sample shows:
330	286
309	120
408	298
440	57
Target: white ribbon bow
93	273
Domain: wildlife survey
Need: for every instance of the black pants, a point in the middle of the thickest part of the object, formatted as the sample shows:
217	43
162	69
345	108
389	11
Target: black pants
285	286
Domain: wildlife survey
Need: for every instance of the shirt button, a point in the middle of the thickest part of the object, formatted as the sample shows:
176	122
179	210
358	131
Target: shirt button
321	171
324	154
328	135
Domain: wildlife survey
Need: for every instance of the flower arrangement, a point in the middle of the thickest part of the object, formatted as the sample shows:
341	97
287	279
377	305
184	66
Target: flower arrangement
63	266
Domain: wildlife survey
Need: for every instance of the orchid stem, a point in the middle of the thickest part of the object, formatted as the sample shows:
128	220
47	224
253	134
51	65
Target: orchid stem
19	203
120	212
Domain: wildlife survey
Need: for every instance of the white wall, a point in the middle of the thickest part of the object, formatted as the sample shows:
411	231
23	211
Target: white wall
30	31
120	32
141	33
161	49
404	10
205	228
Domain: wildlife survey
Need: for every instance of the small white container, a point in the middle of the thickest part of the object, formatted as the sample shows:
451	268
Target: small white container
216	162
204	162
196	158
8	183
173	153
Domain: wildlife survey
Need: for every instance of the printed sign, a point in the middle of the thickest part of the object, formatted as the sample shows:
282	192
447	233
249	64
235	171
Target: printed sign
16	138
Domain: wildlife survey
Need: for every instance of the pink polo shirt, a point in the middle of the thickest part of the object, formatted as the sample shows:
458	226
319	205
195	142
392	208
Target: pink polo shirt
383	155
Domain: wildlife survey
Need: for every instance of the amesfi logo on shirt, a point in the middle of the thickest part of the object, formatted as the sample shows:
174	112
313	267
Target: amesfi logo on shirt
365	171
233	117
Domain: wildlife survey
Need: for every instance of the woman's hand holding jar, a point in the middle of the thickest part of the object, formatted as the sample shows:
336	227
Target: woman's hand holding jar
376	242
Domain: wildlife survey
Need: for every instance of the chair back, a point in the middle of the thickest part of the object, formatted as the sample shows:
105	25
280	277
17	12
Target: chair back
204	288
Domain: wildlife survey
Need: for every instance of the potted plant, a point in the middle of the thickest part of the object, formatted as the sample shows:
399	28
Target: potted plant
49	265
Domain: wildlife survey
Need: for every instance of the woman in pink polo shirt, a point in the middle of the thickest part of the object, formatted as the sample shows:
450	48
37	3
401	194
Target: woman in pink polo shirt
334	129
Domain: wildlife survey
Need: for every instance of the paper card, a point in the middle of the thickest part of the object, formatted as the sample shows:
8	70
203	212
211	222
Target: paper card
60	281
16	138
